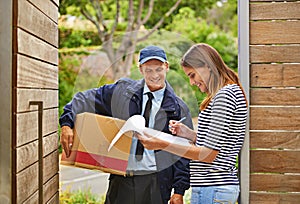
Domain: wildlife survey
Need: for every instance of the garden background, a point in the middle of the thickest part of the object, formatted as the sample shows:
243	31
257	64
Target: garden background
84	62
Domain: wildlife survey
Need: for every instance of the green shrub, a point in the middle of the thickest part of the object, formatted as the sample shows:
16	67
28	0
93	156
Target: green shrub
79	196
70	38
199	30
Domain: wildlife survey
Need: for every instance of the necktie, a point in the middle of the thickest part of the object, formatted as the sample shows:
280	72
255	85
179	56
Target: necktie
139	147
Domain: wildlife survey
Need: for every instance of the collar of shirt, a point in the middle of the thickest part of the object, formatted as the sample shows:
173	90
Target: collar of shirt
158	95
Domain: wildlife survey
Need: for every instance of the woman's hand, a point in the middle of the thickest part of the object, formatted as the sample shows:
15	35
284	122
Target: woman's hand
180	129
150	142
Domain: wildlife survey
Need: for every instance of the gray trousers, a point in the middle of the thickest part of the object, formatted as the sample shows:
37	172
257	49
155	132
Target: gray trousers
139	189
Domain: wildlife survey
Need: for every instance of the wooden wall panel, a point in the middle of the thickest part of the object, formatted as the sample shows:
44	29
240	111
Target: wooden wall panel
273	54
36	74
275	11
27	125
38	24
275	140
274	75
277	96
48	7
275	182
27	183
36	64
56	2
49	98
50	143
274	125
33	199
274	32
274	161
274	198
51	188
27	130
50	166
36	48
27	155
50	121
54	199
274	118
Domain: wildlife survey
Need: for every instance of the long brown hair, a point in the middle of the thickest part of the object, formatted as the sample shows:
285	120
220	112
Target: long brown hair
201	55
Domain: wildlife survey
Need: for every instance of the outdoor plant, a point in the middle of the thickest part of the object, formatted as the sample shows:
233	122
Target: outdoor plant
79	196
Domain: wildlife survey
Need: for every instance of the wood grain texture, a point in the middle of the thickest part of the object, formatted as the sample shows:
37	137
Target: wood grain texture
27	183
274	75
27	155
275	54
37	23
275	182
33	199
48	7
51	188
33	73
36	62
274	161
274	128
27	125
24	96
56	2
50	143
50	166
274	32
274	198
283	140
50	121
54	199
275	96
275	11
275	118
36	48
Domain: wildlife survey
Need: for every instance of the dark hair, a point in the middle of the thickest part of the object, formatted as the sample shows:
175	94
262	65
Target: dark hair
201	55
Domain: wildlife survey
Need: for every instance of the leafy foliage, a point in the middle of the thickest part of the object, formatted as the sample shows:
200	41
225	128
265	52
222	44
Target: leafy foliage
72	78
79	196
67	77
201	7
198	30
71	38
225	16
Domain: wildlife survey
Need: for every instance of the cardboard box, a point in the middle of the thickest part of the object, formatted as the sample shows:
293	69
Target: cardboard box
92	135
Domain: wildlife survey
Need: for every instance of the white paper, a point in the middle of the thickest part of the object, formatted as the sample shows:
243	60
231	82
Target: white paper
137	123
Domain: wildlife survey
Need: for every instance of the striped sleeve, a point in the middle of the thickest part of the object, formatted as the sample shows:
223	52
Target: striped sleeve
222	110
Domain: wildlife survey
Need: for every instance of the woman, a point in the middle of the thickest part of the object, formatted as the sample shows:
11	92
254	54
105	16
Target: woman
221	128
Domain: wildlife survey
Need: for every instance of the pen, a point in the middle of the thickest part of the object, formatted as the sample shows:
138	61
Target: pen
179	121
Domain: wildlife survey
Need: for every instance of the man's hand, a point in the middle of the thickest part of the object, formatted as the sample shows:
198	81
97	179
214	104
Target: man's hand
66	139
176	199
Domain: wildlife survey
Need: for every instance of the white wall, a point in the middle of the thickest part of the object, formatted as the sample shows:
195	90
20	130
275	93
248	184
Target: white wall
5	101
243	70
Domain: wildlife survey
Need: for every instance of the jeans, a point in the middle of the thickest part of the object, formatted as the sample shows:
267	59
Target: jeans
226	194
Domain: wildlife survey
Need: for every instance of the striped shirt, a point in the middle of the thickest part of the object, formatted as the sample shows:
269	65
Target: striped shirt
221	126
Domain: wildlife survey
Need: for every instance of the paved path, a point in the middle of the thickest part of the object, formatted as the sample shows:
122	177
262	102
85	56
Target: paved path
78	178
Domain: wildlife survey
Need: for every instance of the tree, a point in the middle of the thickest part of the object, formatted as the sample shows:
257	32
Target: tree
120	53
198	30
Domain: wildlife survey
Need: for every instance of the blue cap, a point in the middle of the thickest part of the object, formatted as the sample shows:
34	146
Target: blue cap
152	52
